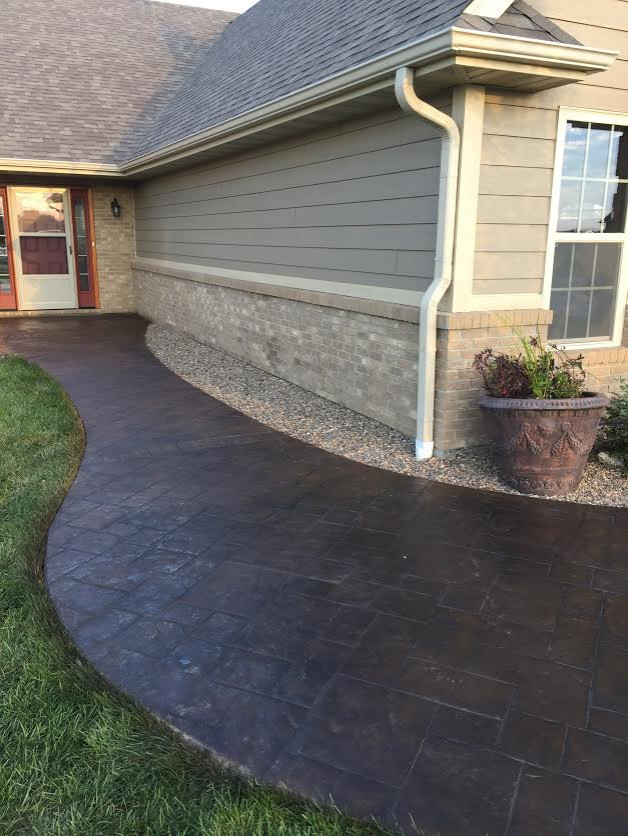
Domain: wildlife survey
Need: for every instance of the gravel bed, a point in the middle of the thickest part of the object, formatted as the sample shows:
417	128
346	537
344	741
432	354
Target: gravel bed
303	415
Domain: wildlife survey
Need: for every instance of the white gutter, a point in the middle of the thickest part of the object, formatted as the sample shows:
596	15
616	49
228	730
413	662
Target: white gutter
32	166
443	264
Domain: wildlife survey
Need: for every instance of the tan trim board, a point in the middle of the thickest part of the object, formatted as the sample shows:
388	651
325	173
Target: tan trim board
24	166
506	301
469	114
399	304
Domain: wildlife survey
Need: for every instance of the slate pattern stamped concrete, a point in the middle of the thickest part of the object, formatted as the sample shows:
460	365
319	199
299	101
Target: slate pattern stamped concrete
415	651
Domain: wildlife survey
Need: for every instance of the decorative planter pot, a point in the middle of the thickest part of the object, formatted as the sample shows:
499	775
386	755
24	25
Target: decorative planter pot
542	447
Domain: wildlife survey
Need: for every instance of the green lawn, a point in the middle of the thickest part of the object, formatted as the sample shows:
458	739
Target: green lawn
76	759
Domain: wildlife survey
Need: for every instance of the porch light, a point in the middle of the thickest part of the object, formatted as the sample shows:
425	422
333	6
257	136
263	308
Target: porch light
115	208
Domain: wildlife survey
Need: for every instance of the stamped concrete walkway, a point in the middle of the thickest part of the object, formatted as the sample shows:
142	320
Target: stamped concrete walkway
416	651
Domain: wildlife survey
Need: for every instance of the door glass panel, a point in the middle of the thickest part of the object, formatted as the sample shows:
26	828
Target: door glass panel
39	210
80	234
5	280
43	256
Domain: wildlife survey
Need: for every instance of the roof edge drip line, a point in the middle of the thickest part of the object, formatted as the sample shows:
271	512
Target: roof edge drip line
18	165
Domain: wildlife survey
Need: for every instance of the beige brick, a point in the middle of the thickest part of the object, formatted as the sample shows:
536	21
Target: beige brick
325	350
115	247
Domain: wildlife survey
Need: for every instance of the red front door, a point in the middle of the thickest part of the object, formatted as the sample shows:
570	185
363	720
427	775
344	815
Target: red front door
8	301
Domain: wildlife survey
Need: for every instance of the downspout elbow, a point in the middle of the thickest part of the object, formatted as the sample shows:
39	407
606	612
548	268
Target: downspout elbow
443	261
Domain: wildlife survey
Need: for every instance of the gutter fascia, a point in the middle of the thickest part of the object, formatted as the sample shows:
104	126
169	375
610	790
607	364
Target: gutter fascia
28	166
376	75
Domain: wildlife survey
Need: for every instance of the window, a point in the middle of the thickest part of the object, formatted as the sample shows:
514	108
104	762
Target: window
587	239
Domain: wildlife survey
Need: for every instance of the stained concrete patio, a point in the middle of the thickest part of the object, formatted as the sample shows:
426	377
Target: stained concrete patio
415	651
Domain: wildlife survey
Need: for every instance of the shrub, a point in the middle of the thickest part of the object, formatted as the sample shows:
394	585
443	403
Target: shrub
538	371
613	436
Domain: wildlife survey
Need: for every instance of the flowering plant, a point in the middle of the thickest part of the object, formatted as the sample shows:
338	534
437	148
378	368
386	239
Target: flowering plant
538	371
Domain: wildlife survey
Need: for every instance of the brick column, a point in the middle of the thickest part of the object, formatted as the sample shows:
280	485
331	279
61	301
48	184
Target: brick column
115	247
458	421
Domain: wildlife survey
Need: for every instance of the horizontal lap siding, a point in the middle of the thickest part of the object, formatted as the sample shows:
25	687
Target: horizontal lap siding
352	205
519	147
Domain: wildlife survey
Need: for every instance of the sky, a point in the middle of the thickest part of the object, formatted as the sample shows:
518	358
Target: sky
228	5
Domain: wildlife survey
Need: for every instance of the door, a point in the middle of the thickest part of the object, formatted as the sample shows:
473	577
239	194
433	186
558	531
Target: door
7	274
83	248
42	241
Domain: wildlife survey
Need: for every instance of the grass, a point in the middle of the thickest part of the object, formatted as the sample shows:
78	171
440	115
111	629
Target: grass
75	758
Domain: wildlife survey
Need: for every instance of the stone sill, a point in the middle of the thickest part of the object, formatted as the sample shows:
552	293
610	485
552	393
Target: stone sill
371	307
470	320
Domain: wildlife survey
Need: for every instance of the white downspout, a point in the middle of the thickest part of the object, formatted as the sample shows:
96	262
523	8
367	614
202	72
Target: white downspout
445	237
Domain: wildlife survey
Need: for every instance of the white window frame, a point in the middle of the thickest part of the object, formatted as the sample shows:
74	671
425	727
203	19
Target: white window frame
568	114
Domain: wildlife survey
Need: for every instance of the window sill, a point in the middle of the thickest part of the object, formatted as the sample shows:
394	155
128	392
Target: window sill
583	347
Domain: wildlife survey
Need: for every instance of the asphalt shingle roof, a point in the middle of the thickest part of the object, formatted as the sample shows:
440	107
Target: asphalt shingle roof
77	77
281	46
104	81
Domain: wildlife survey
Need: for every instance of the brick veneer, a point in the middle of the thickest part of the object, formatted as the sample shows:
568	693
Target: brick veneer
115	247
363	361
458	421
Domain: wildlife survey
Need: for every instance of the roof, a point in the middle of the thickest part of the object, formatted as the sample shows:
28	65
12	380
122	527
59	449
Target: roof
79	76
280	46
103	82
520	20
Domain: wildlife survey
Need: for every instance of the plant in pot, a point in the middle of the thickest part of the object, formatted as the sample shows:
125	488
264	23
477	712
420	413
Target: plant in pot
541	422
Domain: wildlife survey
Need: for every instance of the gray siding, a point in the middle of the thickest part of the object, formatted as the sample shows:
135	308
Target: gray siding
519	147
353	207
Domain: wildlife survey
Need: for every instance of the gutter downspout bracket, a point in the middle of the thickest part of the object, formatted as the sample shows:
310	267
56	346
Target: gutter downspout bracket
443	263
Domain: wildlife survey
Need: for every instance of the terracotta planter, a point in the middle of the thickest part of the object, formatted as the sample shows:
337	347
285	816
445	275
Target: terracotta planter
542	447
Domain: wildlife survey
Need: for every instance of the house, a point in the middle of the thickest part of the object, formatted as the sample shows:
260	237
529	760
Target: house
355	196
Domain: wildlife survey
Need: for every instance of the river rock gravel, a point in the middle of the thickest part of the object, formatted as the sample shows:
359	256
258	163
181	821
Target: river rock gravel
303	415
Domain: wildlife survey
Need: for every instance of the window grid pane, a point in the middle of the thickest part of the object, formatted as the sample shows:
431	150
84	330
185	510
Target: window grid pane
584	286
595	171
592	208
5	279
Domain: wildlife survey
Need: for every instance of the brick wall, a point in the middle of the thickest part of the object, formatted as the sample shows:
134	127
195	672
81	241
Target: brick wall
363	361
458	421
115	247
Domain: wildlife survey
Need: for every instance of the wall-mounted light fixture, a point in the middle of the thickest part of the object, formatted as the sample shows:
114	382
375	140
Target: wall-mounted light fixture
115	208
